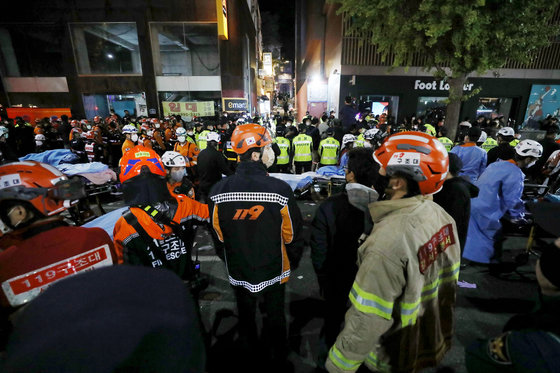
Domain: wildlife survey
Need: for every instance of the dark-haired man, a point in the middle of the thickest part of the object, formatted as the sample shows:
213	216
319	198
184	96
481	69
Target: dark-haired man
473	157
339	226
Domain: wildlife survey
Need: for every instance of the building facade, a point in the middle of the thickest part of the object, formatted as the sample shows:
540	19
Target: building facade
331	64
152	58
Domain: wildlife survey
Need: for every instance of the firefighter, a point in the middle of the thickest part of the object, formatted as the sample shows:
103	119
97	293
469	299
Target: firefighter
189	150
158	230
41	248
158	137
403	296
177	180
131	134
257	219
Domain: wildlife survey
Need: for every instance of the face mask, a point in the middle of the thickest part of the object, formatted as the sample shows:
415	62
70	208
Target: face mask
531	164
177	175
267	156
367	144
190	133
134	137
360	196
157	125
39	143
307	123
289	124
181	139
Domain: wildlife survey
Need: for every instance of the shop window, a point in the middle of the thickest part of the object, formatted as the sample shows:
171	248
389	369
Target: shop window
185	49
101	105
31	50
106	48
431	107
494	107
380	104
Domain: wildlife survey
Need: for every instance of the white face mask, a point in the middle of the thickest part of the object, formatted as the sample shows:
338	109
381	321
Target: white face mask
367	144
157	125
531	164
177	175
268	156
360	196
181	139
134	137
190	133
39	143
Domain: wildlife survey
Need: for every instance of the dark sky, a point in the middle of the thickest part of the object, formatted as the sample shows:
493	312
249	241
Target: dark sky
286	11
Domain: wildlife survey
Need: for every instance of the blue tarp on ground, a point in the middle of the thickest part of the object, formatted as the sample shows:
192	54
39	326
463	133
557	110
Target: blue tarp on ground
53	157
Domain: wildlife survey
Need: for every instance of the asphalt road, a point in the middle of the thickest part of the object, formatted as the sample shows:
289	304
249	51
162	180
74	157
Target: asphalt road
481	311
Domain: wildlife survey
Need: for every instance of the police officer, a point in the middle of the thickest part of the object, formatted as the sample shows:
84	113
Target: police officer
489	143
283	161
442	137
257	219
302	149
329	149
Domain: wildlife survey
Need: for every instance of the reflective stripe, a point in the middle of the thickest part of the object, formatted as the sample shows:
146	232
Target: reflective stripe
378	365
255	288
370	303
340	361
409	311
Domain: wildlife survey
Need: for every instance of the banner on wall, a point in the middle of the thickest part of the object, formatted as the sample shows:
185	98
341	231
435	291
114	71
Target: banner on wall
234	104
30	114
189	109
543	101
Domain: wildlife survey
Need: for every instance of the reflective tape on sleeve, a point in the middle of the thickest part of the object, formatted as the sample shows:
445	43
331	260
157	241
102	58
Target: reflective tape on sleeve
340	361
370	303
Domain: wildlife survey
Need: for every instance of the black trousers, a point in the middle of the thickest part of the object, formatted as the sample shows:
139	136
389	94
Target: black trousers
284	168
272	344
302	167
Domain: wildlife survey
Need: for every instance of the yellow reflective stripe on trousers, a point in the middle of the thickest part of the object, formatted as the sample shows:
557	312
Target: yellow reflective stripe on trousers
409	311
340	361
370	303
373	360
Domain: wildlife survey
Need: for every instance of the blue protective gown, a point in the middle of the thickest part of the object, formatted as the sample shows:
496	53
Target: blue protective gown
501	187
473	158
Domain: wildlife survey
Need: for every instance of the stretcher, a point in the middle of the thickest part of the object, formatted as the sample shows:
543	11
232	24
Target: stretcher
314	185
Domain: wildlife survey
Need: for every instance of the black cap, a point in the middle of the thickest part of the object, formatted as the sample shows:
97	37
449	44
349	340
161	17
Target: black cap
121	318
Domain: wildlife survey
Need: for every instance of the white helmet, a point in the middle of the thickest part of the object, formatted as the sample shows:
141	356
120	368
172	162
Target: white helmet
529	148
213	136
370	134
348	138
506	131
483	137
180	131
129	128
40	137
173	159
4	131
150	133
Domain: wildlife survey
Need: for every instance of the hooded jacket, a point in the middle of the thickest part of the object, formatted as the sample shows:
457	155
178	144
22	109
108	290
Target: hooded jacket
401	319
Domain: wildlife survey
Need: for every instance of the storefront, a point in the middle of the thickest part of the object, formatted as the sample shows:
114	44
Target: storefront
416	96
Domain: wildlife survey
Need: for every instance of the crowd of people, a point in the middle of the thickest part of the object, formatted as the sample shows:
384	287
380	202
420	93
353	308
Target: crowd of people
390	297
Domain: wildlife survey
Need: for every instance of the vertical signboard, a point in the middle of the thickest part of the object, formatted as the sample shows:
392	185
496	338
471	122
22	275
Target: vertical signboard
267	64
221	18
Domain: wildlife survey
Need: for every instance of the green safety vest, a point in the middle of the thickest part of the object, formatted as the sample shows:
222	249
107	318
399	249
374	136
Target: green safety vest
359	143
302	145
514	142
284	145
430	130
446	141
489	144
202	140
328	149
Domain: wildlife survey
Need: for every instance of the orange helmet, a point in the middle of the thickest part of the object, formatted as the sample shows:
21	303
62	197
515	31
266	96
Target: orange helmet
418	155
134	160
247	136
42	185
